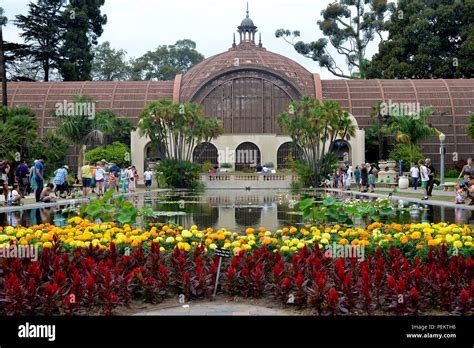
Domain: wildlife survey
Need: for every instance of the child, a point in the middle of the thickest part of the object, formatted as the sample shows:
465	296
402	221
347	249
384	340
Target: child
459	194
14	197
148	176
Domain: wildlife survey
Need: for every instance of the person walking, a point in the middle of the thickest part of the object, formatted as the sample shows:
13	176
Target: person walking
39	178
431	174
357	176
424	178
148	175
22	177
364	178
86	177
372	174
99	174
415	174
123	178
466	170
115	170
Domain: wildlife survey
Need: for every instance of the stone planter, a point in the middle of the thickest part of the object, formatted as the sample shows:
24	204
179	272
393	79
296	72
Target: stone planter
403	182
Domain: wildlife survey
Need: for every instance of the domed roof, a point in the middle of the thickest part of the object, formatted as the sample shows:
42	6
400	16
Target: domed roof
246	56
247	22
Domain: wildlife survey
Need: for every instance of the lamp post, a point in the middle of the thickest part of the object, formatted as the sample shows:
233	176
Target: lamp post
442	152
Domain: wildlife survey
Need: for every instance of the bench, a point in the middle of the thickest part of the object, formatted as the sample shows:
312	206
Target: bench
449	186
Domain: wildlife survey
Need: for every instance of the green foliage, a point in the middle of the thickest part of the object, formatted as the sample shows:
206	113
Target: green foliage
53	147
119	210
43	29
116	152
166	61
470	126
109	64
269	165
334	211
226	165
349	26
451	173
409	153
83	21
206	166
314	126
410	128
427	40
178	174
174	129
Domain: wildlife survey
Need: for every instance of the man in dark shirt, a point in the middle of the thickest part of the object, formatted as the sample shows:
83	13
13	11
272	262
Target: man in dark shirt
259	168
22	173
431	174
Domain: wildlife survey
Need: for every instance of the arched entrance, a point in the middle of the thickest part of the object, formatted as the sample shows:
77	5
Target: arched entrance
205	152
247	155
287	153
342	150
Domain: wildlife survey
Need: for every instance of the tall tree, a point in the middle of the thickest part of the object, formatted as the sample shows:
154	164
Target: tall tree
42	31
109	64
427	39
84	23
3	68
166	61
314	126
349	25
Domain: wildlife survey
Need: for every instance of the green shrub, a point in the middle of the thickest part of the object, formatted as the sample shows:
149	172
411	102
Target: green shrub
451	173
409	153
116	152
206	166
178	174
269	165
226	165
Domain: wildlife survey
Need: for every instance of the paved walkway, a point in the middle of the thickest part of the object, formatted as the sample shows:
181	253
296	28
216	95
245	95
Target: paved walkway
218	308
68	202
399	195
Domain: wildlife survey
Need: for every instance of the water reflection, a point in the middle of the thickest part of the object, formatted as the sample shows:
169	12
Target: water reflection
235	210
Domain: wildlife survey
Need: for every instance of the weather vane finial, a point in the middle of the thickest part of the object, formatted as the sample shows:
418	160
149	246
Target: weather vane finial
247	10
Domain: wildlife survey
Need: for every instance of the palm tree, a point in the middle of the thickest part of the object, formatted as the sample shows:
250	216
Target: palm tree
82	130
411	129
3	68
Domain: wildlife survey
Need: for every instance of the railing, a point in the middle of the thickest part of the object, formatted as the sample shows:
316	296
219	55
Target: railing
244	180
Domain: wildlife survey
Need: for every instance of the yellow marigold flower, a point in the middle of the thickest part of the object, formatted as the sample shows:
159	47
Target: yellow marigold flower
47	245
326	236
300	245
236	250
284	248
343	241
355	242
268	233
170	240
457	244
324	241
212	246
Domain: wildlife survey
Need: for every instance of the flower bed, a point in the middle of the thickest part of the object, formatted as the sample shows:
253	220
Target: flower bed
411	239
84	267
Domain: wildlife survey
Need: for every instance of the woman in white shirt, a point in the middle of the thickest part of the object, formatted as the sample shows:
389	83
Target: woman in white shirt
415	174
131	180
14	196
99	174
424	178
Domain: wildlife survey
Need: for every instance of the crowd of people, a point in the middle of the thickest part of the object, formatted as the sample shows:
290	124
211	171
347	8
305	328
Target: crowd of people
364	176
96	179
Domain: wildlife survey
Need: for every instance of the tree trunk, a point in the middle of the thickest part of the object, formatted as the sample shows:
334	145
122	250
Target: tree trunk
3	70
46	71
380	136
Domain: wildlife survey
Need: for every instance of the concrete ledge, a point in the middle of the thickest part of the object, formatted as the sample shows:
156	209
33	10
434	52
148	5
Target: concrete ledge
250	180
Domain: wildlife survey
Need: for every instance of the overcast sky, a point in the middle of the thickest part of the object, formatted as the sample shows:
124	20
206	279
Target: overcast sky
138	26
